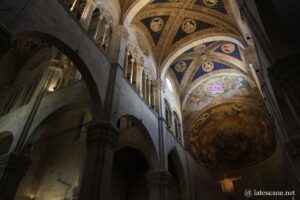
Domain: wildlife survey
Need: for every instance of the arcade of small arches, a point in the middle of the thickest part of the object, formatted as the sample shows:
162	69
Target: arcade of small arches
135	99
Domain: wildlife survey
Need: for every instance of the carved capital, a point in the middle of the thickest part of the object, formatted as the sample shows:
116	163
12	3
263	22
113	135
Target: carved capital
102	133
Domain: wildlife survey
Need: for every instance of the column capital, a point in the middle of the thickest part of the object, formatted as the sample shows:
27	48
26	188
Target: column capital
102	133
159	84
159	177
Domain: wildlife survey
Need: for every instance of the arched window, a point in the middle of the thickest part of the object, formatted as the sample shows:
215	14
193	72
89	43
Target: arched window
6	139
76	7
152	95
106	36
168	115
92	30
177	126
128	65
148	89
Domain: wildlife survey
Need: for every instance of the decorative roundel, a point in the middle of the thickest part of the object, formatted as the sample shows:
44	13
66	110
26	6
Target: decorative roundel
189	25
199	48
210	3
208	66
157	24
180	67
216	88
228	48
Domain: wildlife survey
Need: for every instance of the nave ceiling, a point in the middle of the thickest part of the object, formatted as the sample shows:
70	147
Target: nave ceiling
198	46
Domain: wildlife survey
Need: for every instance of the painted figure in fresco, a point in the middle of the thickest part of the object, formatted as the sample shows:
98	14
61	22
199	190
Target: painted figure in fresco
237	87
198	101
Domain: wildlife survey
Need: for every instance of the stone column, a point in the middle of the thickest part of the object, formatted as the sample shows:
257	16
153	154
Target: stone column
114	49
132	68
87	14
159	182
12	170
96	180
105	38
139	76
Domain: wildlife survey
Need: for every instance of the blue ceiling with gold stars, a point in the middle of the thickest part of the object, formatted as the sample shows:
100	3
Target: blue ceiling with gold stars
155	35
219	6
199	26
180	67
230	49
214	67
200	47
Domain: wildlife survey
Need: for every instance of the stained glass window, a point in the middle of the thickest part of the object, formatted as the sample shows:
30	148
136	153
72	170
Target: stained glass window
216	88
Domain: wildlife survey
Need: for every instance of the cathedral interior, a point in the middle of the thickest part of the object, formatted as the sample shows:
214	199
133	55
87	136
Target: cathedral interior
149	99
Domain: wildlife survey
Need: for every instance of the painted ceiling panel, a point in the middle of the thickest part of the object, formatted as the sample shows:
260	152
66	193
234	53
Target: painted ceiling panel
213	4
199	48
190	26
179	68
230	49
208	67
155	26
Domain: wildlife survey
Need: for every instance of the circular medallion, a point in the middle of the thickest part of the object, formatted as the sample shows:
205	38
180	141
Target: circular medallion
180	67
210	3
216	88
157	24
228	48
189	25
199	48
208	66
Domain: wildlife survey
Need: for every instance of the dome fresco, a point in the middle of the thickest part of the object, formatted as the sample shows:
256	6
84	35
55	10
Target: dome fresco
231	135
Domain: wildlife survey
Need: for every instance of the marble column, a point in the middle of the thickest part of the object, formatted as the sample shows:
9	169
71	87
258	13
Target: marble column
159	182
96	180
12	170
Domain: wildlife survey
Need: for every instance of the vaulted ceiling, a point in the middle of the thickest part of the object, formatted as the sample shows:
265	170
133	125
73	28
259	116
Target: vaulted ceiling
172	24
198	46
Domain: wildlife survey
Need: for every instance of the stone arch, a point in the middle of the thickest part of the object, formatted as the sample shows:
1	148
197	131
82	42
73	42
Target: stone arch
37	132
6	140
71	36
130	167
197	41
57	154
175	160
78	62
144	141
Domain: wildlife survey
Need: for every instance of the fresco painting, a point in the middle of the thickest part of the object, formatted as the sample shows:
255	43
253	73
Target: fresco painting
242	136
